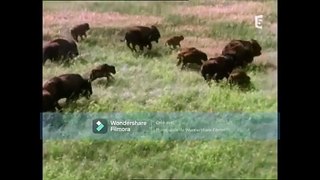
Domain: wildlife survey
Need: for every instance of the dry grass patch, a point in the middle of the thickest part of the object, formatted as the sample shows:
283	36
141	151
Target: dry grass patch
108	19
239	12
274	28
208	45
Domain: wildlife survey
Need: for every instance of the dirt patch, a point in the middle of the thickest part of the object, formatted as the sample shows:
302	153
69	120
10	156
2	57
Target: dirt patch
192	28
208	45
274	28
267	58
239	12
67	19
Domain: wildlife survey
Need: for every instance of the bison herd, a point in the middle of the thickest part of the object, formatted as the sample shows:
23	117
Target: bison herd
236	55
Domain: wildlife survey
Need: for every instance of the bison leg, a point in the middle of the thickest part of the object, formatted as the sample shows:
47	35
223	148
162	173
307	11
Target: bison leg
219	77
141	47
76	38
183	65
128	44
57	105
72	98
134	47
149	46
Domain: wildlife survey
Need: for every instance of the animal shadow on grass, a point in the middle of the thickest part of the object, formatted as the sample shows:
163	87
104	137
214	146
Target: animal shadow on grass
70	62
105	82
148	54
244	87
192	67
152	54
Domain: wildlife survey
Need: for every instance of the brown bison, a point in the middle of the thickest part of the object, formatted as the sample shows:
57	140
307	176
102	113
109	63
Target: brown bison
193	56
50	51
174	41
67	48
217	68
141	36
239	77
186	50
49	103
103	70
80	30
70	86
243	51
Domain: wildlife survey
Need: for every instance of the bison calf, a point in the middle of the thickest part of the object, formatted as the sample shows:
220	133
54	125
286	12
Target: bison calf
70	86
174	41
194	56
103	70
80	30
239	77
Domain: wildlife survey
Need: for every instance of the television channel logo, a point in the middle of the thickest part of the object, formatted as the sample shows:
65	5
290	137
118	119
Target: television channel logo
99	126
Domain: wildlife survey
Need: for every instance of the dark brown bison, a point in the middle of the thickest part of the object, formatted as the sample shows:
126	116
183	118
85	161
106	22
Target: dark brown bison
141	36
49	103
186	50
243	51
174	41
80	30
239	77
194	56
67	48
217	68
50	51
70	86
103	70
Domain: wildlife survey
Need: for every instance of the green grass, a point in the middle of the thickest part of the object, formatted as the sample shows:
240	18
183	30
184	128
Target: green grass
158	159
152	82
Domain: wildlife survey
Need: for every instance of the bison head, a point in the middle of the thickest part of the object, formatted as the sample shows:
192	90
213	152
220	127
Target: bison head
203	56
256	48
181	38
112	69
154	34
86	25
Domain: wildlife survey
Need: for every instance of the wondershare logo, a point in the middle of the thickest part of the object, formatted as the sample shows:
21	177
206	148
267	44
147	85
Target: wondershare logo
99	126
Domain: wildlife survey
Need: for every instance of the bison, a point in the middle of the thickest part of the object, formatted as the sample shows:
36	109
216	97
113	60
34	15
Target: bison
67	48
239	77
50	51
174	41
141	36
80	30
193	56
70	86
243	51
49	103
103	70
217	68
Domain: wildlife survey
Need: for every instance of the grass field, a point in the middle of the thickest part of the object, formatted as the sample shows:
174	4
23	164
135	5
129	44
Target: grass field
151	81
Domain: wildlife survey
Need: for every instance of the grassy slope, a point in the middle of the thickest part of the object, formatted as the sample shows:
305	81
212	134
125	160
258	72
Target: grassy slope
153	83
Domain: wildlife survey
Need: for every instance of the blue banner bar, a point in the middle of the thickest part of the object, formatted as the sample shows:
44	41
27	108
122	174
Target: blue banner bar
160	126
